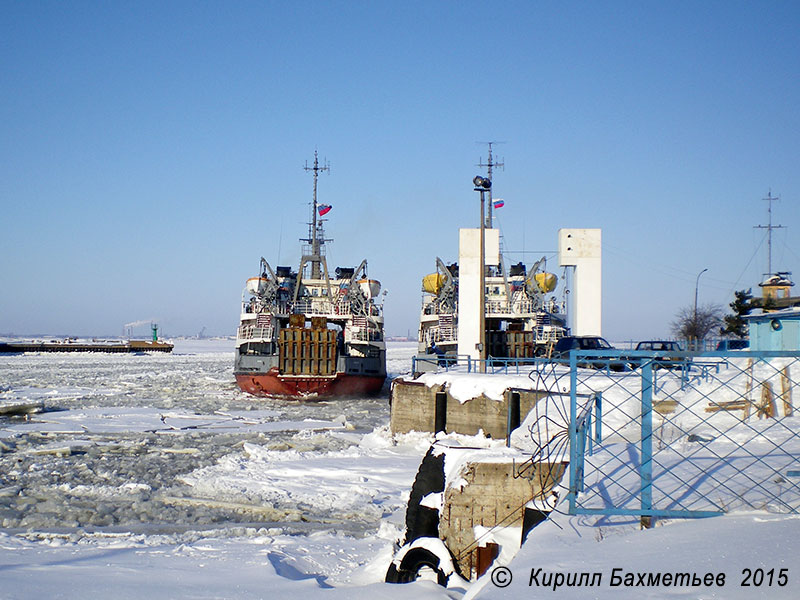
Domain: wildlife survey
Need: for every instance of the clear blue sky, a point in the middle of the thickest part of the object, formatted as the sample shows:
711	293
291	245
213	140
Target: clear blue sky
152	152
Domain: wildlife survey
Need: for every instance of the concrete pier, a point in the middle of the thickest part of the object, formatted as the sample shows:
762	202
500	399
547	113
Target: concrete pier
417	407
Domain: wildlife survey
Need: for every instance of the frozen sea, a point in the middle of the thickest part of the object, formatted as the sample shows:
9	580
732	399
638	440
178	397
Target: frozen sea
154	476
123	442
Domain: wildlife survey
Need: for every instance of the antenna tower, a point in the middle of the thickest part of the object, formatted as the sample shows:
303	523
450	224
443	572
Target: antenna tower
316	233
769	227
490	164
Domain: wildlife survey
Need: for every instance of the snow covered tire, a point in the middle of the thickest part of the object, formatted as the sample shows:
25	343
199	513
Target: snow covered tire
413	558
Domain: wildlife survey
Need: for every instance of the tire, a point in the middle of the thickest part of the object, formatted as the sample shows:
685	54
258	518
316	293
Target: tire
417	561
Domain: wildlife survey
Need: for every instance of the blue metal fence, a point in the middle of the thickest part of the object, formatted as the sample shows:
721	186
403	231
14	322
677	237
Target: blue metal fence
684	434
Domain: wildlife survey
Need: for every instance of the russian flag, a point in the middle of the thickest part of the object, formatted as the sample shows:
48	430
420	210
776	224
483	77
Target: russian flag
324	209
498	203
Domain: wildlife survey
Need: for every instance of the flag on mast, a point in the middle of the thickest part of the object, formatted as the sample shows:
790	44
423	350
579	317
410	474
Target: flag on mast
499	203
324	209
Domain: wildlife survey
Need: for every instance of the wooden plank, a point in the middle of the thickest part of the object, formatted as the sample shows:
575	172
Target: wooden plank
786	392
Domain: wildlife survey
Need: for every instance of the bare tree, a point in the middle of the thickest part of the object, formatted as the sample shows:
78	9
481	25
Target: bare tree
695	325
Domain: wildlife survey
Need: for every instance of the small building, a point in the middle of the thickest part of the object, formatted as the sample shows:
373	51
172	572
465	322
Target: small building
776	292
777	330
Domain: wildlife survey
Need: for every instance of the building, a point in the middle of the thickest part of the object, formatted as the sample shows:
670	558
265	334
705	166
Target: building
776	330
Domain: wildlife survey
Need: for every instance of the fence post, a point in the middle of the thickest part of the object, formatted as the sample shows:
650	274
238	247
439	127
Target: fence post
573	432
647	442
588	432
598	417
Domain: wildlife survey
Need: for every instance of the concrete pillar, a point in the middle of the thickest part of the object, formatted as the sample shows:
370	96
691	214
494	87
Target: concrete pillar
582	249
470	296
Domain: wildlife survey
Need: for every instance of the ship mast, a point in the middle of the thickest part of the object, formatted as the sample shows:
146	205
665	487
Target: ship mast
316	234
490	164
769	227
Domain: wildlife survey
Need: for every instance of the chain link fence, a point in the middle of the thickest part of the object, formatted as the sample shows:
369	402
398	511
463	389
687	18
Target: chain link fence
684	434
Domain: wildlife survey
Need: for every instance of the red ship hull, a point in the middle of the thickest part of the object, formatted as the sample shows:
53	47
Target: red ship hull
308	387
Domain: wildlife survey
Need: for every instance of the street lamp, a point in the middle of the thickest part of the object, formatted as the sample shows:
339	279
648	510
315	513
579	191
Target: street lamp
482	185
696	284
694	319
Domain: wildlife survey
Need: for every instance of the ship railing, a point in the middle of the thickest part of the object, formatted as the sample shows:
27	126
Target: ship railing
440	334
440	308
548	333
316	306
366	335
500	307
251	332
324	307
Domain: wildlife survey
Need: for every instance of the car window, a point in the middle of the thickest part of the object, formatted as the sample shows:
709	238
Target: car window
601	343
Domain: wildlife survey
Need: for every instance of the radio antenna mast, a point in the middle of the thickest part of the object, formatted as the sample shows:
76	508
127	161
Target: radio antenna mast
490	164
316	234
769	227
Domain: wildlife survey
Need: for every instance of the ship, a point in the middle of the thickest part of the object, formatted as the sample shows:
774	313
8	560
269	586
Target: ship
94	345
310	334
522	317
77	345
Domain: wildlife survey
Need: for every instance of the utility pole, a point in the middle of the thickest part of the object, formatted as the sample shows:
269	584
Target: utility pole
490	164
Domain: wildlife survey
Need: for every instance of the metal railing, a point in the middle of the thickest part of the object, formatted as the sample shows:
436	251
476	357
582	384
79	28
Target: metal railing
251	332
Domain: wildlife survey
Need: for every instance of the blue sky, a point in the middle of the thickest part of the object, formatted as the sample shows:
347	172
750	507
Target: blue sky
153	152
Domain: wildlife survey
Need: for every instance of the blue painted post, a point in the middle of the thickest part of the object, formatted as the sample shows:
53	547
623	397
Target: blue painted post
598	417
588	433
647	438
579	484
573	432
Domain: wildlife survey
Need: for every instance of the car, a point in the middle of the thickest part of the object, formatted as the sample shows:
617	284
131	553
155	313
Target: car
666	362
725	345
659	346
590	342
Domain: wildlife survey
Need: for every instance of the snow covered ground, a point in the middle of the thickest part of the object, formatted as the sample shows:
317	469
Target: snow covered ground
153	476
